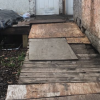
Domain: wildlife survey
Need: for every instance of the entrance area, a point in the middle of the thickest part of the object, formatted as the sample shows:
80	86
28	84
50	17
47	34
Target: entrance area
47	7
69	7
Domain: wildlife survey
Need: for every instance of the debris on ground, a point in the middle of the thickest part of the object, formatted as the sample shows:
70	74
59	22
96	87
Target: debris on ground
10	66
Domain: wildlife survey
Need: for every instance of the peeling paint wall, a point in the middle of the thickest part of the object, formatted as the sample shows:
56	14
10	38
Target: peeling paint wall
23	6
20	6
87	16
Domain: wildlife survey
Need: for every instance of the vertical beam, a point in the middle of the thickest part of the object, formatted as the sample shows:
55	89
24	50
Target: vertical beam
25	41
64	7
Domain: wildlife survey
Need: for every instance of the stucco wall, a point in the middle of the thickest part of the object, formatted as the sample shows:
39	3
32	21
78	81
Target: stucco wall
87	16
22	6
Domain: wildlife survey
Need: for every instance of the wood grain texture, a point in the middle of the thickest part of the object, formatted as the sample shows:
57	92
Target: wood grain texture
51	90
76	97
74	69
84	40
85	69
55	30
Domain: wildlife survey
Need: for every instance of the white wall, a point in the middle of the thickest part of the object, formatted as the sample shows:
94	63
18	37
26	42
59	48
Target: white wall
69	7
22	6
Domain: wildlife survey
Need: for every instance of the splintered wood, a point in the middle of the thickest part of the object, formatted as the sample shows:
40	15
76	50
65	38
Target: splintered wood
66	30
20	92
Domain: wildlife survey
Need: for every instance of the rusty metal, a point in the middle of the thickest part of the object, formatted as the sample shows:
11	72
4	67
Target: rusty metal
55	30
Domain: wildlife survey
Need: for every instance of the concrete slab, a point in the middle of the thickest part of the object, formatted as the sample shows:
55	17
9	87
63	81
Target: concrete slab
50	49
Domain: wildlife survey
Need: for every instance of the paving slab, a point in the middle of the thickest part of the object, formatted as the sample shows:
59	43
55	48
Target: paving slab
50	49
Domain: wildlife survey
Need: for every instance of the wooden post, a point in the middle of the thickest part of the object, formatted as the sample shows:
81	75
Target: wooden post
64	7
25	41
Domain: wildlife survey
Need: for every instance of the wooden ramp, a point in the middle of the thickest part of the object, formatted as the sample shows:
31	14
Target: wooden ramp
37	91
50	49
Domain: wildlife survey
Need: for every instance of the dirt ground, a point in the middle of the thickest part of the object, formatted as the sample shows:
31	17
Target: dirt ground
10	66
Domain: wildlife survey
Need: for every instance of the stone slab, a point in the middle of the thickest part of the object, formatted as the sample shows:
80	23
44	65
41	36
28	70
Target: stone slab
50	49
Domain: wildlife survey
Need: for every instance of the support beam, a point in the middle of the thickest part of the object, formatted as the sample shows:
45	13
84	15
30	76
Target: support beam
25	41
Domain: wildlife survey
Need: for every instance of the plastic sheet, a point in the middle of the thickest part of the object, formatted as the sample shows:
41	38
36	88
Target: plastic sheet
8	18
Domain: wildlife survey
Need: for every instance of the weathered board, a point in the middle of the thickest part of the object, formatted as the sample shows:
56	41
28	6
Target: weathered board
84	40
85	69
50	49
75	97
39	21
51	90
46	21
55	30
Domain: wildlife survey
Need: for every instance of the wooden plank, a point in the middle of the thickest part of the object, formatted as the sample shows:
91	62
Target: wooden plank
79	79
16	31
74	69
49	75
51	90
84	40
43	21
55	30
88	56
25	41
83	49
75	97
50	49
84	97
55	80
45	65
55	65
94	61
58	74
40	21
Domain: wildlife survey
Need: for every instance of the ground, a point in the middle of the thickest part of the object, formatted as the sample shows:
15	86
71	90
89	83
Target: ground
10	66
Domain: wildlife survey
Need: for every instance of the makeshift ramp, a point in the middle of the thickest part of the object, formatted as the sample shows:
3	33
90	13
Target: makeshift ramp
56	30
90	91
50	49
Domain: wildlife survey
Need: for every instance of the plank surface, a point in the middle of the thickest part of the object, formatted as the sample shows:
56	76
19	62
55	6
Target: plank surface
84	40
74	69
76	97
51	90
55	30
50	49
85	69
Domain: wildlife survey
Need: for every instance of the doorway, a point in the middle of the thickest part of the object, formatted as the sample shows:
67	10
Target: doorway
47	7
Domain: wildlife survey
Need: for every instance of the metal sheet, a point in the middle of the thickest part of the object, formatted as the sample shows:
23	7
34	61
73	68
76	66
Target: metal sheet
50	49
55	30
